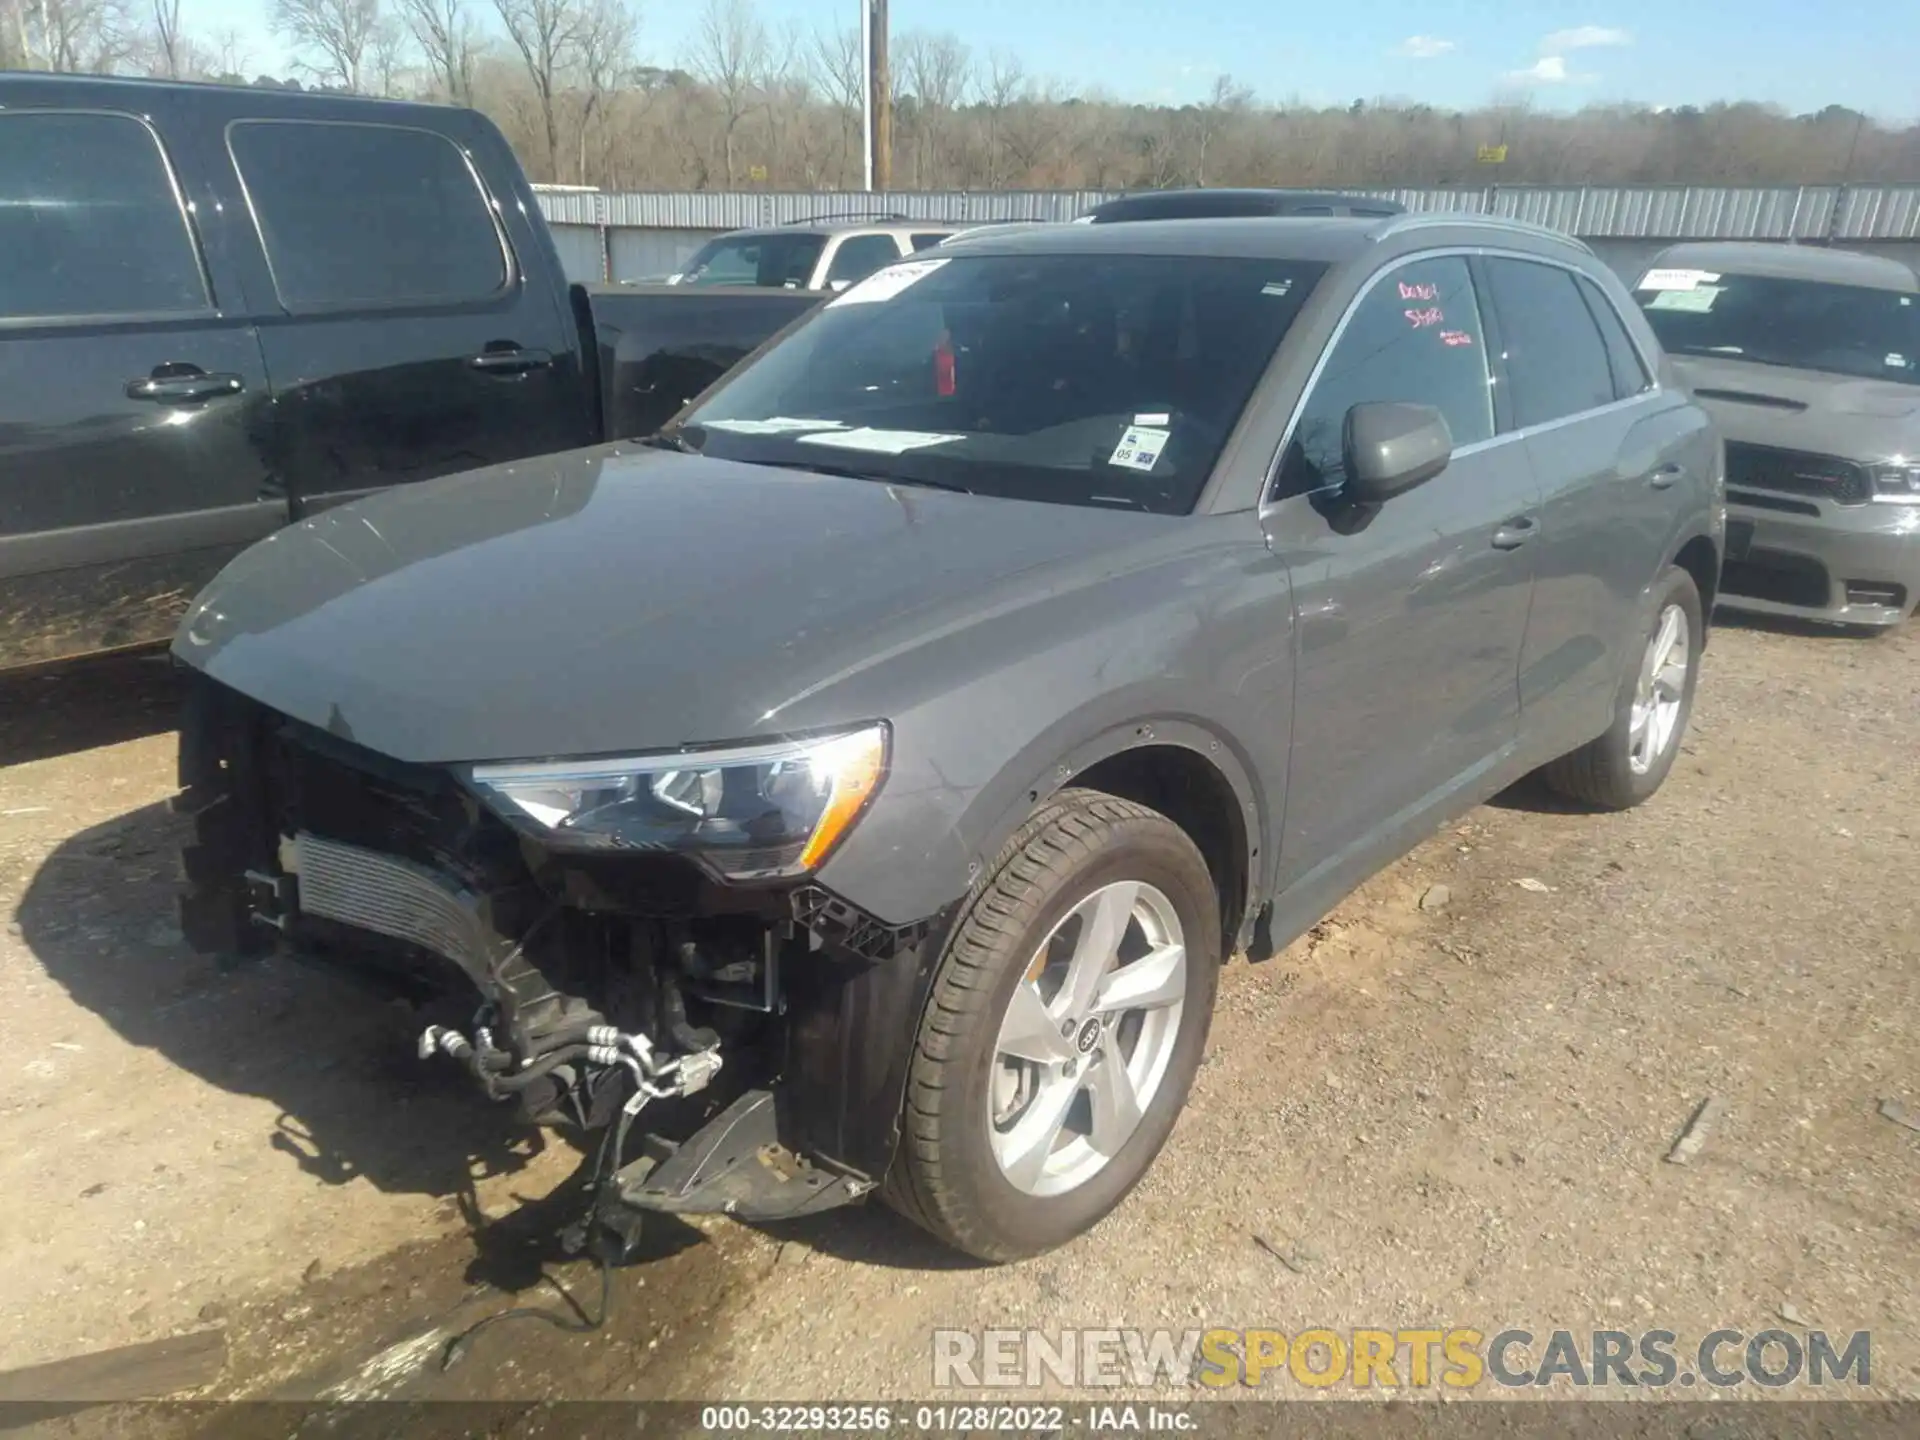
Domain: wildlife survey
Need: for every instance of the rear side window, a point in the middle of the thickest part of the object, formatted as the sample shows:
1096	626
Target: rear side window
1629	370
860	255
90	224
1555	356
1414	338
356	214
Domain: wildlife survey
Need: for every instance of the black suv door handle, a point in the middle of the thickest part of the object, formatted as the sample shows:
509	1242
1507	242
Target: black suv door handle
1515	533
1665	477
510	360
183	385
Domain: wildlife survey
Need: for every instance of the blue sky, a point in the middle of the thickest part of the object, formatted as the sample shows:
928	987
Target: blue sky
1453	53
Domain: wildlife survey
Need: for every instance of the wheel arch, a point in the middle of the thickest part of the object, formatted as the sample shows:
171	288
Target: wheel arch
1700	558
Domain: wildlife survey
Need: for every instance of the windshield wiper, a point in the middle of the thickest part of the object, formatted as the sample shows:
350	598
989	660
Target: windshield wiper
661	440
849	472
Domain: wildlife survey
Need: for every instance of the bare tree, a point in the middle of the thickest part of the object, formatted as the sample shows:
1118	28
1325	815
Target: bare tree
73	36
730	55
387	57
937	71
606	55
230	53
166	37
835	68
444	31
333	36
548	34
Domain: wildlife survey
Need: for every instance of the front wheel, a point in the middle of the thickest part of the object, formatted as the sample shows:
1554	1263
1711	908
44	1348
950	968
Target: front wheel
1627	764
1066	1022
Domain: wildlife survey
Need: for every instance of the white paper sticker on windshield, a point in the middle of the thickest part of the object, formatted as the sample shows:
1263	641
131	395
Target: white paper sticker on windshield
778	425
1676	279
1697	301
883	442
1139	448
887	283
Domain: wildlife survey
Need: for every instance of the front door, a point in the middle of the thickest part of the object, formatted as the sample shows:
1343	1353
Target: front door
1409	616
133	423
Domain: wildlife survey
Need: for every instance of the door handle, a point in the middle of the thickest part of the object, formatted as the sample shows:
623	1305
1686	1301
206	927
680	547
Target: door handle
1515	533
184	388
510	360
1665	477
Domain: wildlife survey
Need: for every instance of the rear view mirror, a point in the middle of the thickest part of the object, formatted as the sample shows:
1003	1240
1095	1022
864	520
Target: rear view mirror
1390	448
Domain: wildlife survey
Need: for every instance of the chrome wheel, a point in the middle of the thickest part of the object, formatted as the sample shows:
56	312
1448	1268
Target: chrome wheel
1661	691
1087	1038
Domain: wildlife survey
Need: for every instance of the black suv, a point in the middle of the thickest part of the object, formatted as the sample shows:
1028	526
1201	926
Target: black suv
870	774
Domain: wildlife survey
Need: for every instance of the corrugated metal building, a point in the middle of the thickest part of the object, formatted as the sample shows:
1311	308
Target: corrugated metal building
635	236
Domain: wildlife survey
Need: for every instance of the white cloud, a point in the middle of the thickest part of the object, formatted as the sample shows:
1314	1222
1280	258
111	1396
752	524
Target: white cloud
1584	37
1424	47
1547	70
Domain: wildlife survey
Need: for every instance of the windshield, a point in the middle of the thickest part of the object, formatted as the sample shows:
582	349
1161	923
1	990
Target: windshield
1804	324
779	261
1108	380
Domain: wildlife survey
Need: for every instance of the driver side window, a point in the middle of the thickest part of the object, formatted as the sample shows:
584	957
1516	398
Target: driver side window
1415	338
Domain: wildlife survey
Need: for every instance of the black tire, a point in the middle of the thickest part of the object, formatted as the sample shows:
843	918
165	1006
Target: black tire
1600	773
945	1177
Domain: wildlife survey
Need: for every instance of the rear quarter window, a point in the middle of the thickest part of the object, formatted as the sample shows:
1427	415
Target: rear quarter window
357	214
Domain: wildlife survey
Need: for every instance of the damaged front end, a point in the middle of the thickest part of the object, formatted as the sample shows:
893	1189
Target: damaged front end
579	976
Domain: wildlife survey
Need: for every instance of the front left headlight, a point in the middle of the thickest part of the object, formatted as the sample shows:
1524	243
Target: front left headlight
1897	480
751	813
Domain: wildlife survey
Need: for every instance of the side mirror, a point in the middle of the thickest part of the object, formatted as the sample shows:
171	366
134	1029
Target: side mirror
836	286
1390	448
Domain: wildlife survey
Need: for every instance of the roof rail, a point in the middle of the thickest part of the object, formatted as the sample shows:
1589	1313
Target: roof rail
1426	219
893	215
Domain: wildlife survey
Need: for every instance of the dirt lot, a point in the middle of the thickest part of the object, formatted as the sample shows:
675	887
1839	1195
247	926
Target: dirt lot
1440	1116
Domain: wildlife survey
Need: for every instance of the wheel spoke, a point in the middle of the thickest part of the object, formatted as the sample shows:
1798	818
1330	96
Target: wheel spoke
1116	1106
1029	1032
1642	719
1024	1149
1663	641
1103	924
1156	979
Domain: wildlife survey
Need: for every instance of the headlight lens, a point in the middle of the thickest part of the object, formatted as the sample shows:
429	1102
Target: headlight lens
1897	480
755	812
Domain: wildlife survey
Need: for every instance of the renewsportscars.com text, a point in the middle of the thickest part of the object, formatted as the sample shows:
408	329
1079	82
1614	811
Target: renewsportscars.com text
1456	1358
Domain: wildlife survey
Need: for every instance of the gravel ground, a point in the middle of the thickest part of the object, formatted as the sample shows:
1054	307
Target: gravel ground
1421	1115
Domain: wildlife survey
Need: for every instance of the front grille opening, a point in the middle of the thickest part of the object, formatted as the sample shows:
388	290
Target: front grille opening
1779	577
1798	472
1876	592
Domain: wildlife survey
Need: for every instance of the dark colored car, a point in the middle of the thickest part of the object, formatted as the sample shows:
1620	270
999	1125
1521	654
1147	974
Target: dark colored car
1808	359
1224	203
871	774
222	309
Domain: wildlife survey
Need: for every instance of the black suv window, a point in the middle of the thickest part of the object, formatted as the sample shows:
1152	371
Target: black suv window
1629	370
1801	324
860	255
1555	356
89	221
367	214
1416	338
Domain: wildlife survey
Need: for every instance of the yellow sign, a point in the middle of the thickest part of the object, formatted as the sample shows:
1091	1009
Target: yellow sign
1493	154
756	172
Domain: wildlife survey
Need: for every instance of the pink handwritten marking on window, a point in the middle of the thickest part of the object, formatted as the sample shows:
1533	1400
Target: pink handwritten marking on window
1420	319
1455	337
1419	291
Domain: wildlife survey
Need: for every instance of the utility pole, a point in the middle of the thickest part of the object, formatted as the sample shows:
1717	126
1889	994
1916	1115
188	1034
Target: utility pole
866	92
880	101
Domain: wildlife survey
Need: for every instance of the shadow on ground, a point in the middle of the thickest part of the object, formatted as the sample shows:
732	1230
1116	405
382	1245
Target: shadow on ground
82	704
355	1101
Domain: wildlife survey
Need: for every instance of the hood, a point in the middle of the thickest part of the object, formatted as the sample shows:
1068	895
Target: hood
1810	410
617	600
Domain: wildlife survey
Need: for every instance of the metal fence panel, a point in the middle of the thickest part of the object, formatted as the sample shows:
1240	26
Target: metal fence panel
581	258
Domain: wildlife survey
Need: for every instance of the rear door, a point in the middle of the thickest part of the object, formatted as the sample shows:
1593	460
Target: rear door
410	328
1411	614
1603	443
133	400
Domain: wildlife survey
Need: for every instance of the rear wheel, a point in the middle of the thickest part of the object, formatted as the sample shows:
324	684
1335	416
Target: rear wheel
1066	1023
1627	764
